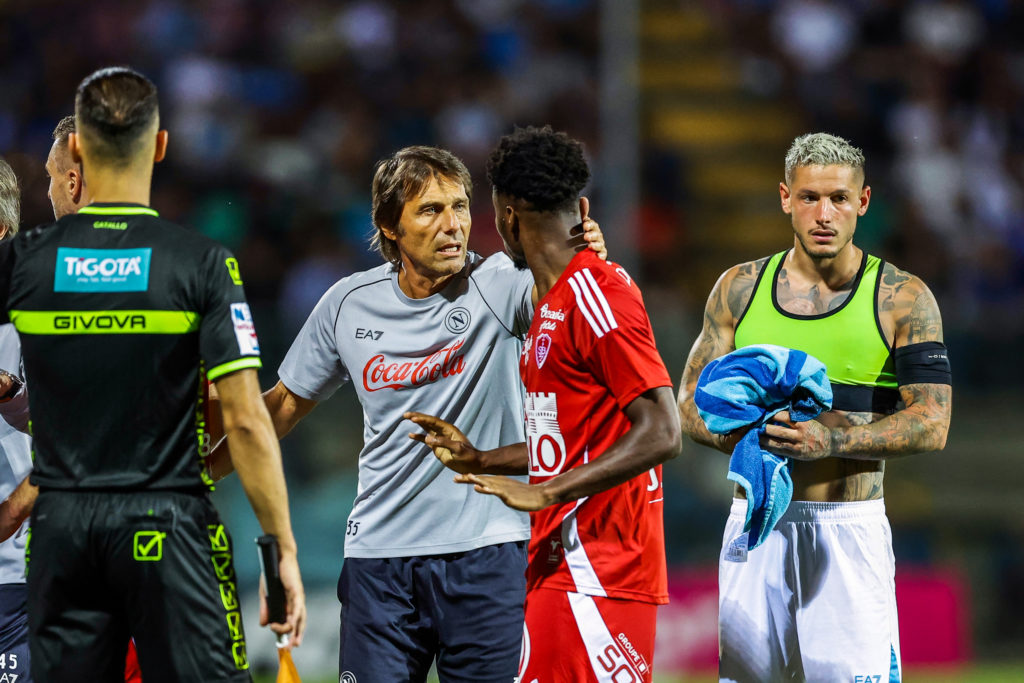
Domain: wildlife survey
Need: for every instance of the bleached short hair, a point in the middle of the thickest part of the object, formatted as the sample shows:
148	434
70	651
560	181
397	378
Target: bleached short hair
10	199
822	149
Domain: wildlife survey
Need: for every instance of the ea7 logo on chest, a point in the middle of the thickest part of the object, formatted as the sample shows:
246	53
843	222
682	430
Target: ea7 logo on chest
362	333
101	270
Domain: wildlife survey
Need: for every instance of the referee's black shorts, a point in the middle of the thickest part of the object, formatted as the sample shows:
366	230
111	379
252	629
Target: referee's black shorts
156	566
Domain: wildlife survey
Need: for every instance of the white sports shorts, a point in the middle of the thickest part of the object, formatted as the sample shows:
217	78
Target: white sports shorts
815	602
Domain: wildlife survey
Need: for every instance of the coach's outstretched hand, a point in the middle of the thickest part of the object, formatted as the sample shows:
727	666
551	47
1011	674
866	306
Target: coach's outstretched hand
514	493
455	451
295	600
450	445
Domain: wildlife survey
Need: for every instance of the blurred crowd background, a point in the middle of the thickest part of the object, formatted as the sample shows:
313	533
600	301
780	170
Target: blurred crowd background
277	112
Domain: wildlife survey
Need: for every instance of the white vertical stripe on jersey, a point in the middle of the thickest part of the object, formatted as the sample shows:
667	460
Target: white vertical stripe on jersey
601	647
593	631
582	572
599	295
584	308
590	295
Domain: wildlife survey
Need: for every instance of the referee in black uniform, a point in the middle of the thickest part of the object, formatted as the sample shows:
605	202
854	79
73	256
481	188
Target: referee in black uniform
123	317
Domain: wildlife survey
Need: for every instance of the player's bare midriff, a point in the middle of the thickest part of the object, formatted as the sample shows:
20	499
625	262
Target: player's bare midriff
836	480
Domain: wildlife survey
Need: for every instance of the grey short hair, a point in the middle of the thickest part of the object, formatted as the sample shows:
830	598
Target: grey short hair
822	149
10	199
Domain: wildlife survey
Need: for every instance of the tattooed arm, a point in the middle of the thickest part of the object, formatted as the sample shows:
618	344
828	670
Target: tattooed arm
908	308
725	305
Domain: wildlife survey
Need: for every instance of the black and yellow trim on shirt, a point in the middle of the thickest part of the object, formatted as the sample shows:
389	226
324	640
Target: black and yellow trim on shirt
118	210
105	322
219	371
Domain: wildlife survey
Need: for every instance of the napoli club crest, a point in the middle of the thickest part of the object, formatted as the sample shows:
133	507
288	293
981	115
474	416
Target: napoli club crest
541	348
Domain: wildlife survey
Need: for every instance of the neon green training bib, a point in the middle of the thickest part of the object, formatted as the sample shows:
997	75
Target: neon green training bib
848	339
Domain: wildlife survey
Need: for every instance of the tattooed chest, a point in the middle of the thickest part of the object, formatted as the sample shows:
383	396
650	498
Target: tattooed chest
810	302
814	299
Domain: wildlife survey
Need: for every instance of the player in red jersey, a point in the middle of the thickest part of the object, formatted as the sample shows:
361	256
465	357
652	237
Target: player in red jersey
600	420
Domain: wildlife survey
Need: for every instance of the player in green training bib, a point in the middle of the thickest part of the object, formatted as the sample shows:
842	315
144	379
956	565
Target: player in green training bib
816	601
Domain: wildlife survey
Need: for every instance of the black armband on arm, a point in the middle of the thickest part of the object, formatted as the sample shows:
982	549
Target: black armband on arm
922	363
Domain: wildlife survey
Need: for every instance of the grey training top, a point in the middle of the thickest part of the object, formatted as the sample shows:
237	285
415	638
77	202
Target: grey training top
15	455
454	354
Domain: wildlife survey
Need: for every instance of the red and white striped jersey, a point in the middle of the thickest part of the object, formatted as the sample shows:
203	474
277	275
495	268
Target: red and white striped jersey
590	352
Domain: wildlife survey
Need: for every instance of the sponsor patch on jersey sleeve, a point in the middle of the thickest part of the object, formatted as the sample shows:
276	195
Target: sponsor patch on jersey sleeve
245	330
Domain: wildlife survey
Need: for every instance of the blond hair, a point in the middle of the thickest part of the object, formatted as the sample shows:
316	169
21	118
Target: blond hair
822	149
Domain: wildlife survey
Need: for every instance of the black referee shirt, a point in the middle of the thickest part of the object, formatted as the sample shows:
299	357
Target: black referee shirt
122	317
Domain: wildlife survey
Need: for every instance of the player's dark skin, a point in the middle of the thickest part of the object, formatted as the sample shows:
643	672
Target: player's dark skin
840	456
544	240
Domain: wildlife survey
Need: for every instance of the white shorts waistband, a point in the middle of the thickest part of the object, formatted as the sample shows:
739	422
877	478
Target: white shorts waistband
808	511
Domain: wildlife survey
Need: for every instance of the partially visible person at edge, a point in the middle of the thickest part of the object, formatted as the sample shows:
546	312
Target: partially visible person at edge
15	464
66	195
878	331
600	419
124	535
431	571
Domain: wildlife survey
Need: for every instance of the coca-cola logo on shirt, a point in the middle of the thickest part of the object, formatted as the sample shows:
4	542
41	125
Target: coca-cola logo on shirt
382	373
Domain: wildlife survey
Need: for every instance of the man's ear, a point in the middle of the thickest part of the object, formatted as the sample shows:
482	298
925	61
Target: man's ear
512	220
76	185
865	199
161	146
784	196
74	148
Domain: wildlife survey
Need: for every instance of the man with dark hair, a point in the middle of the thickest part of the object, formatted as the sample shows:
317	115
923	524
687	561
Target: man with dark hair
125	539
600	420
399	179
114	108
431	570
67	184
815	600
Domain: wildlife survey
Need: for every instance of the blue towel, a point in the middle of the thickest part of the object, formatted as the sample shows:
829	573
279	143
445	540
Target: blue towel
745	389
